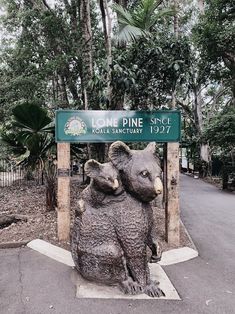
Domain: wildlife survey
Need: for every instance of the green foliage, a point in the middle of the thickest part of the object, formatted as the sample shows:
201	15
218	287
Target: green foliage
139	21
149	72
128	29
220	131
215	31
214	35
30	135
30	139
155	61
30	117
9	138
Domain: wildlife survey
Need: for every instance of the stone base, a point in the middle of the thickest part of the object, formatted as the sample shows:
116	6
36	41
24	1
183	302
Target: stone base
86	289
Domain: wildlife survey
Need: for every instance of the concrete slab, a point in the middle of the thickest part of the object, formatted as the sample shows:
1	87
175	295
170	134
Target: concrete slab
52	251
86	289
63	256
89	290
177	256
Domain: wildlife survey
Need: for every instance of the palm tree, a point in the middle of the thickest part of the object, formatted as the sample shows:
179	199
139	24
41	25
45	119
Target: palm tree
32	140
34	131
139	21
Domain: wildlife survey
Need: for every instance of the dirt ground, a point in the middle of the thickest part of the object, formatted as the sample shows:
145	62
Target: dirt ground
28	200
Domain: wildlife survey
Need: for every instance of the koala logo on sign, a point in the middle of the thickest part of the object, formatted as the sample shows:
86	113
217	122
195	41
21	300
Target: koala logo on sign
75	126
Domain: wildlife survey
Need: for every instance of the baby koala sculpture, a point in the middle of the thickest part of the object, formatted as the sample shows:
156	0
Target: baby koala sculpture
93	236
105	181
109	240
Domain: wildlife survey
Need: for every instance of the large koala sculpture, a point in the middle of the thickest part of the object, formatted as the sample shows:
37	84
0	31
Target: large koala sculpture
109	240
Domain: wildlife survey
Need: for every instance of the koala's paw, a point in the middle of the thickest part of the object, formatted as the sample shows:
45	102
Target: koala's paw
156	253
153	290
155	258
131	287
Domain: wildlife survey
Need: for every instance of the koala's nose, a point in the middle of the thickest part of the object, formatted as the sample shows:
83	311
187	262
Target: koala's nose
115	184
158	187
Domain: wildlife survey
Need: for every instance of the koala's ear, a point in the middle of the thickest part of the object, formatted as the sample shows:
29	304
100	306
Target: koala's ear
151	147
119	154
92	168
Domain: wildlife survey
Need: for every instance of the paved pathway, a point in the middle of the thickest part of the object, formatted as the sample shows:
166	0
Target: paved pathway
207	283
30	283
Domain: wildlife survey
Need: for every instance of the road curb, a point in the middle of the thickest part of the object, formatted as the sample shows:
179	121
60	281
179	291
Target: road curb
13	245
52	251
170	257
176	256
188	235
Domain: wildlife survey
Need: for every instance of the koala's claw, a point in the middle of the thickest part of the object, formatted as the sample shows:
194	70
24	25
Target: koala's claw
153	290
131	287
156	252
155	258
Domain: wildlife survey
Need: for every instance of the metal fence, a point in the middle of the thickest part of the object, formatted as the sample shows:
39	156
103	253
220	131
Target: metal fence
13	174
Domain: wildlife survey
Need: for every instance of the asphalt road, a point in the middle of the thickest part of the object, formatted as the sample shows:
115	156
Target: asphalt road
31	283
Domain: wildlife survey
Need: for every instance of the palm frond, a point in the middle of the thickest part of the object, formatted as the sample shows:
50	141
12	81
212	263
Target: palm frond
31	117
128	29
148	14
12	141
139	22
31	132
124	17
130	33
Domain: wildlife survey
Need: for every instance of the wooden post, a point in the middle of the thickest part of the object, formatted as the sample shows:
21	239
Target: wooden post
63	213
172	199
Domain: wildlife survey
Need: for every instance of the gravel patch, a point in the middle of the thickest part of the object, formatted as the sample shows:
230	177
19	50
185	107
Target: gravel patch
29	200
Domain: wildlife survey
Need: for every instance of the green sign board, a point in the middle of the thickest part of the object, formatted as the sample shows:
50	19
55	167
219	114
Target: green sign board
108	126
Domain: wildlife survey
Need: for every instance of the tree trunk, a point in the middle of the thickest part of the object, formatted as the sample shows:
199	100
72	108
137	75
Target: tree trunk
87	60
232	154
233	91
54	94
107	26
198	118
63	96
201	6
51	197
197	108
205	152
176	33
229	61
50	172
198	102
171	193
176	19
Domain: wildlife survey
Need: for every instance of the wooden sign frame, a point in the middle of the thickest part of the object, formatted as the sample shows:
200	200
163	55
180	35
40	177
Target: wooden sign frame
171	192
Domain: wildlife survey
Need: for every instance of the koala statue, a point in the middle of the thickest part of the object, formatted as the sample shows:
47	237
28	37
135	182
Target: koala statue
109	240
93	235
140	173
105	181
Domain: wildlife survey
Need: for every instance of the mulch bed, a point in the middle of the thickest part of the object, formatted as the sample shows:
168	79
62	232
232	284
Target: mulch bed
27	201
